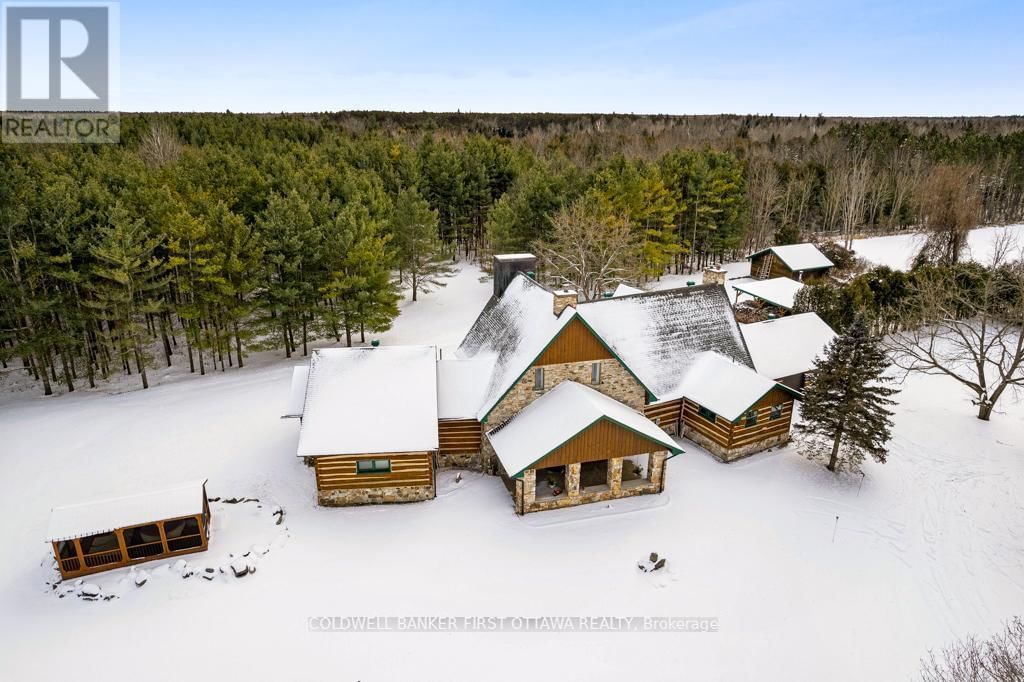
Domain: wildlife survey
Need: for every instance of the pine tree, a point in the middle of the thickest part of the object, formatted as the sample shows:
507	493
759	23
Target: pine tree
127	283
845	404
414	226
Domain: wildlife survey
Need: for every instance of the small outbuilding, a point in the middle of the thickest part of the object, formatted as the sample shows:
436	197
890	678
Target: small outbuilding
784	349
779	292
801	262
123	531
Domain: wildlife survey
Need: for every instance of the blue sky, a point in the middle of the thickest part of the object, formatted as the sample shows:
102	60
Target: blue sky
942	57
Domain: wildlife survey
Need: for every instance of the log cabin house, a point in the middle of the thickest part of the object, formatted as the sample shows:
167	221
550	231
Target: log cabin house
785	349
800	262
567	401
124	531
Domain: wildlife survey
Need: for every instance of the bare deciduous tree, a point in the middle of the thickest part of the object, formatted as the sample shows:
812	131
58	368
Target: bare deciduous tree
972	332
590	249
765	193
999	659
159	146
950	206
854	179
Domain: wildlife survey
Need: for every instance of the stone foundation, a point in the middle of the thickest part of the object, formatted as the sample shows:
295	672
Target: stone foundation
463	460
723	454
357	496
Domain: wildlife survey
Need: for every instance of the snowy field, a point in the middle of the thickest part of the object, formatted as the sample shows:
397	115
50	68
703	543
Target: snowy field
927	548
898	251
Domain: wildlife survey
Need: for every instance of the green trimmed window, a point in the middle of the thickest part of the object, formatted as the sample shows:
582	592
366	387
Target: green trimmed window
373	466
776	412
538	379
751	418
706	413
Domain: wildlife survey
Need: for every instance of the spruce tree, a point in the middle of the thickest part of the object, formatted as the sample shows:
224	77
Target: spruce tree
844	411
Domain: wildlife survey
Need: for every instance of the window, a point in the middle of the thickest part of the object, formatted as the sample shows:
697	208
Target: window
595	373
373	466
94	544
538	379
182	534
776	412
143	541
751	418
66	549
706	413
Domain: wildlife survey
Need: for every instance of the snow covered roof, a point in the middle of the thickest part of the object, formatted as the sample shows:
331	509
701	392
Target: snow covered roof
778	291
658	334
557	416
514	256
510	333
102	516
367	400
461	385
297	392
625	290
723	386
788	345
798	257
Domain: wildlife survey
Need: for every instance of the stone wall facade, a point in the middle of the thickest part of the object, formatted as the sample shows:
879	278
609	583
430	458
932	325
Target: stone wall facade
616	382
358	496
724	454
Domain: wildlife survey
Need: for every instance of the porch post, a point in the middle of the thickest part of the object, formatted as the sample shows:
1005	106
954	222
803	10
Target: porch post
615	475
656	468
529	481
572	479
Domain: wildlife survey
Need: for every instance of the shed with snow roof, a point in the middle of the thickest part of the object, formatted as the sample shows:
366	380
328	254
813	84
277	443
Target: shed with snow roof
801	262
124	531
369	424
779	292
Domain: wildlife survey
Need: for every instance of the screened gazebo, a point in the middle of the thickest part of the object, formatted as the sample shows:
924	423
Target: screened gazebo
123	531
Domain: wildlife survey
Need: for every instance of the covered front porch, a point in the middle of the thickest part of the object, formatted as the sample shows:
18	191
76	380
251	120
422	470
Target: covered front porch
575	445
593	481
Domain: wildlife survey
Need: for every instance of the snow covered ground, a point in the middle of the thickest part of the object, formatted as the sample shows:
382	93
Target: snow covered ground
898	251
926	548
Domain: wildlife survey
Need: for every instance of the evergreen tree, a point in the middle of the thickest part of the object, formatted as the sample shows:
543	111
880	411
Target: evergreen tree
127	281
420	258
845	404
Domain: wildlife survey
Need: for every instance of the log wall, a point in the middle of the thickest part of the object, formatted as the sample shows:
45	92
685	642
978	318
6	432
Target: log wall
338	472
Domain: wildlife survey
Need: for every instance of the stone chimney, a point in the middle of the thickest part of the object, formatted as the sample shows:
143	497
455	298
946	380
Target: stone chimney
565	298
507	266
714	275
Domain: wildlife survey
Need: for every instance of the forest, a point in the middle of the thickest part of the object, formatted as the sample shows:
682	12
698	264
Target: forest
207	237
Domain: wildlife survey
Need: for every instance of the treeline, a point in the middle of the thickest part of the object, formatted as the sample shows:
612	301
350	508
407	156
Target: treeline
215	235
